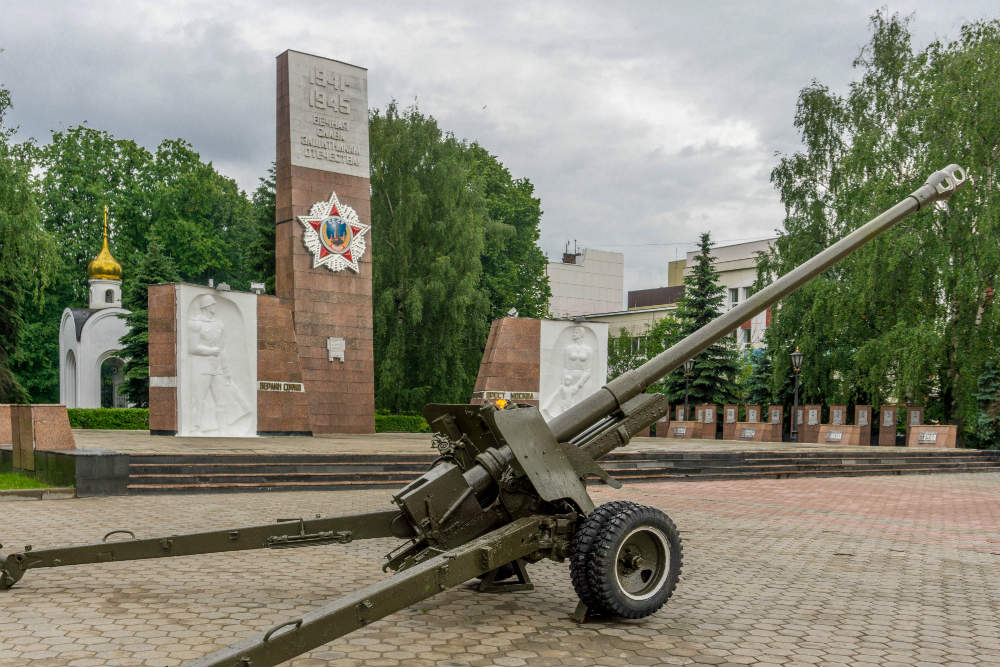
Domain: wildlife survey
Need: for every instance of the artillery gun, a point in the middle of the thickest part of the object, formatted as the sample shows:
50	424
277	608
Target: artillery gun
508	489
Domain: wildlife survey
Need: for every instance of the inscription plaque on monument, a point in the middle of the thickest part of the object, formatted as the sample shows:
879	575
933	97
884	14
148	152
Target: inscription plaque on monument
862	418
813	417
328	104
834	436
927	437
837	418
730	415
680	430
748	433
775	415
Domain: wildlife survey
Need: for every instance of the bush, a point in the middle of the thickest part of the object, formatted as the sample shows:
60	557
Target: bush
136	419
407	422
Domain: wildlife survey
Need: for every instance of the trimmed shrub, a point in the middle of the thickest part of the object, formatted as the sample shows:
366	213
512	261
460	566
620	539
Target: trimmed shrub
405	423
134	419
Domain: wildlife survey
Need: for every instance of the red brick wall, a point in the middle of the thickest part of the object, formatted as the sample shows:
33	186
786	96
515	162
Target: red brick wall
162	357
510	361
341	395
278	361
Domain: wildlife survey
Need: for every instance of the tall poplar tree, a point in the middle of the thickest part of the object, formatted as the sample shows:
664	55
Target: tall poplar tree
429	223
910	317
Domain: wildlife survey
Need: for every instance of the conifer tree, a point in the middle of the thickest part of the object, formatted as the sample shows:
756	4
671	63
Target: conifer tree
714	377
757	389
154	268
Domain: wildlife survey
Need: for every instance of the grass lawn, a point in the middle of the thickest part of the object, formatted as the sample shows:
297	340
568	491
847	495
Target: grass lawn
13	480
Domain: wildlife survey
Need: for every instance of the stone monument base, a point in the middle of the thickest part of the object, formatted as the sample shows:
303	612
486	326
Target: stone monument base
685	430
50	425
757	432
855	436
933	436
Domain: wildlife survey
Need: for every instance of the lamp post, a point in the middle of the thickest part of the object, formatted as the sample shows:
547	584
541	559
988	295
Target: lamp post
797	367
688	367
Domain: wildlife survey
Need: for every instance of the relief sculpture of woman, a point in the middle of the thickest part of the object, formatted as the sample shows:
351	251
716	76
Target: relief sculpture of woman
578	362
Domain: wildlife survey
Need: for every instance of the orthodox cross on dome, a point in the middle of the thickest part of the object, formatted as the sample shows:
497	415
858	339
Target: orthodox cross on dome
334	235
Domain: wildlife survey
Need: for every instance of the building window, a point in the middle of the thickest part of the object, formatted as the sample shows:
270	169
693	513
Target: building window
109	296
734	296
745	338
747	293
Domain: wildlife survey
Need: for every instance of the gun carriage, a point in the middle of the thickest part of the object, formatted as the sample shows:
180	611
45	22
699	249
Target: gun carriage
508	489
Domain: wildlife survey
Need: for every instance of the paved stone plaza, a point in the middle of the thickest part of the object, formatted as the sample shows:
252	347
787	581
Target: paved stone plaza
875	570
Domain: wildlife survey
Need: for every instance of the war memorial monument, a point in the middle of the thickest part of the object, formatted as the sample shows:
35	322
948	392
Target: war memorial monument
510	485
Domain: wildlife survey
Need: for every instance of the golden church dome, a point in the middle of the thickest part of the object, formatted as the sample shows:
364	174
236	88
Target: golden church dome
104	266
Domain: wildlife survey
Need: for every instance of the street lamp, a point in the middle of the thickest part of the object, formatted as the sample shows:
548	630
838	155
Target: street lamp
688	367
797	367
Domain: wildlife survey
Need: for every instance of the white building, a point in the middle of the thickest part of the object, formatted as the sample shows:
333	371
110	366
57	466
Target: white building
589	282
89	347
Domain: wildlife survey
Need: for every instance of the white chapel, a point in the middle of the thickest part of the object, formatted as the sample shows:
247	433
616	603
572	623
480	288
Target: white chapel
91	369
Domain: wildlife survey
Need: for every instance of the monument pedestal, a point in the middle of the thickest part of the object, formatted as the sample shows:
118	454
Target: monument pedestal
685	430
887	425
853	435
923	435
730	413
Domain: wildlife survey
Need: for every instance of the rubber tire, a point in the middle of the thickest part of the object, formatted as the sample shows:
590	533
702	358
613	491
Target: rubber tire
597	576
587	532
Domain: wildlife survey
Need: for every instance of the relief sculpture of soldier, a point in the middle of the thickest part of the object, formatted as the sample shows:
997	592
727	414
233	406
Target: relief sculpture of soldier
216	398
578	361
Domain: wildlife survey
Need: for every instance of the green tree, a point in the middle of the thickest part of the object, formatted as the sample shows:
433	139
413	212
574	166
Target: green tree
757	389
429	223
263	204
716	369
910	316
154	268
513	264
985	431
26	255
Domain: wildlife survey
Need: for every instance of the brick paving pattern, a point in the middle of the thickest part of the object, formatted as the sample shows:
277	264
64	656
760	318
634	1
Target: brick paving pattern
819	571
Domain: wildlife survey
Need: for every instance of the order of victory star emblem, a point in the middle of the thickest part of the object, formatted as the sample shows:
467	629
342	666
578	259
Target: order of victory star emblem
334	235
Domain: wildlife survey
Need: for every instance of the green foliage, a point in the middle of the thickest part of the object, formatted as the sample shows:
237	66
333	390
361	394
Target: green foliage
513	264
757	388
27	260
197	218
985	429
154	268
910	317
262	246
408	422
131	419
714	378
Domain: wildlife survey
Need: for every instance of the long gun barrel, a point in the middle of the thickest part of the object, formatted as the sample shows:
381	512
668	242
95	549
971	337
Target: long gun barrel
939	186
507	490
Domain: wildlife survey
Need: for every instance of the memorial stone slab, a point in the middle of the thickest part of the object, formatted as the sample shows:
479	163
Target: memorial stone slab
730	413
888	416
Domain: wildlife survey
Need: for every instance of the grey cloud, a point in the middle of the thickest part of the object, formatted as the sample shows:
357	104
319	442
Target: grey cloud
641	125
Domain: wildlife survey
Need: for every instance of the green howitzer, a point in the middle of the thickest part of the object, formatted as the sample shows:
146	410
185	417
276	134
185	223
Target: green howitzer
508	489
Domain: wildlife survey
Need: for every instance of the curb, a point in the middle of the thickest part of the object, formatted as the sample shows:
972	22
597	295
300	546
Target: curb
51	493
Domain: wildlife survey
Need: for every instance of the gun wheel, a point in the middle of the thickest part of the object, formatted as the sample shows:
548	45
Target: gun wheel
633	562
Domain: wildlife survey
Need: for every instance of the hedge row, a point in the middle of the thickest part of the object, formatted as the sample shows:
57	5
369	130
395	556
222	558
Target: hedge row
407	423
136	419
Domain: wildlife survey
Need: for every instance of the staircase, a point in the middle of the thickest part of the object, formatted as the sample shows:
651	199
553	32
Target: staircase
232	473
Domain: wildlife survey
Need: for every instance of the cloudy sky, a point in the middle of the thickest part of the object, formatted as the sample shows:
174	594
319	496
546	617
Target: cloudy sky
641	124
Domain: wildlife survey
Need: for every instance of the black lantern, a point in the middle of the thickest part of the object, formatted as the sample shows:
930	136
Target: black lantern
797	360
688	367
797	367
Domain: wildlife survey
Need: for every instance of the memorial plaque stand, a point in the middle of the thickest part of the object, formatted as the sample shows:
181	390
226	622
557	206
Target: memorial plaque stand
838	415
707	418
887	425
23	437
863	420
809	431
914	418
662	425
775	420
730	415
